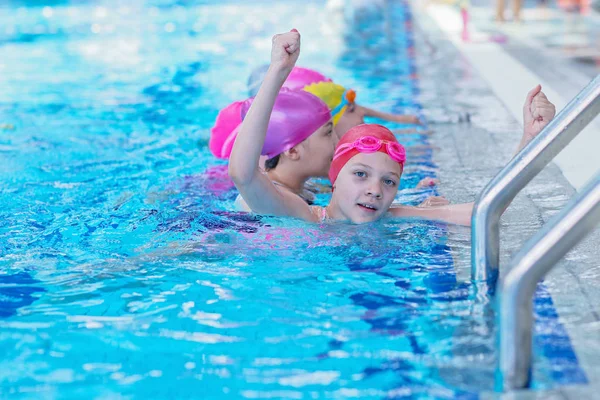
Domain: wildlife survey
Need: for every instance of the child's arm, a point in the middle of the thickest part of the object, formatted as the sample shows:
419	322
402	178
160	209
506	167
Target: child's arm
259	193
403	119
538	111
459	214
433	201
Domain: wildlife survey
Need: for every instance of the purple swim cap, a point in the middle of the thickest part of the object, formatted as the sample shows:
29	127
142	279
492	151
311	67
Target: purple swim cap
296	115
298	78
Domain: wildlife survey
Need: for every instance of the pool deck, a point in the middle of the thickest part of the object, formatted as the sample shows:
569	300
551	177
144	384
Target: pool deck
575	283
516	53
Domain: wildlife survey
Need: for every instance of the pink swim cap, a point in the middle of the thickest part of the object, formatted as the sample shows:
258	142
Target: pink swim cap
224	132
296	115
297	80
365	138
300	77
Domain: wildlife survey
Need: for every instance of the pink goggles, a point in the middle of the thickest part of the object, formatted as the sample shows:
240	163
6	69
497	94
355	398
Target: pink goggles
370	144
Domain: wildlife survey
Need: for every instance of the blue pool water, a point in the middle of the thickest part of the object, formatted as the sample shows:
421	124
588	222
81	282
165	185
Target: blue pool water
124	270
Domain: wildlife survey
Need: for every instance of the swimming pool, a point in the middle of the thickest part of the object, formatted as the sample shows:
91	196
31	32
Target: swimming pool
124	270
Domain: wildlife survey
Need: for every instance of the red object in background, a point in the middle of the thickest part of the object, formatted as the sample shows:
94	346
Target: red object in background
583	6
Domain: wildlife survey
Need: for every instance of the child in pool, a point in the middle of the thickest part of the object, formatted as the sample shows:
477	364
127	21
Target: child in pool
366	167
346	113
295	149
299	144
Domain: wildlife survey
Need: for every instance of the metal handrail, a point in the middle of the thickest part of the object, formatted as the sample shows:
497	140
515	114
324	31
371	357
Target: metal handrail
579	217
502	189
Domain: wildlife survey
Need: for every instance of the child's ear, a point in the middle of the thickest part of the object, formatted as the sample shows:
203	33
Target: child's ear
293	153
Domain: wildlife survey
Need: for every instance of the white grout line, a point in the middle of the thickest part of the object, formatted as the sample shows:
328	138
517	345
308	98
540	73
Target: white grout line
511	81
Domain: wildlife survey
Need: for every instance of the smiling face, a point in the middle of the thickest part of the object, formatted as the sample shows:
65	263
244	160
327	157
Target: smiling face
366	186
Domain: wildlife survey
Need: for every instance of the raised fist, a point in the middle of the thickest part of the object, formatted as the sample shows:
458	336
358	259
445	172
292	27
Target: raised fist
538	111
285	50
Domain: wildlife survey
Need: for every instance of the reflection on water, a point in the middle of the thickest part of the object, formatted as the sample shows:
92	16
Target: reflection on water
125	270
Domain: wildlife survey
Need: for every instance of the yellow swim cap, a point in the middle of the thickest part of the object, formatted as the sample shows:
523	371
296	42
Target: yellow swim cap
335	96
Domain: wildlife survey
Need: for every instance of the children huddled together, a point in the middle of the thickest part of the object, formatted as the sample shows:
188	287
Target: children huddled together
300	125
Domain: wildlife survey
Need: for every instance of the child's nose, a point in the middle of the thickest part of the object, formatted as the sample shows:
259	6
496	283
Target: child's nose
374	190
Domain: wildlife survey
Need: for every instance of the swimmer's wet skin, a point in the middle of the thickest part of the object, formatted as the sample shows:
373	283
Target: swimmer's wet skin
367	165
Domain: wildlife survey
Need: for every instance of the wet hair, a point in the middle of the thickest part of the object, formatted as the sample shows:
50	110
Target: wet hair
271	163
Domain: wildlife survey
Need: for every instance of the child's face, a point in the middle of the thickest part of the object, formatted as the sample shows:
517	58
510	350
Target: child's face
366	186
353	116
318	150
